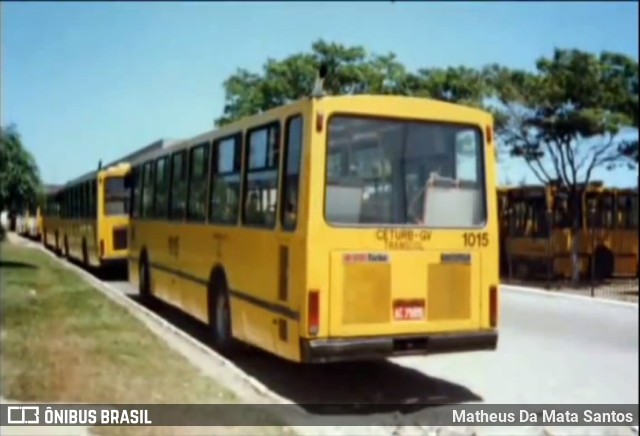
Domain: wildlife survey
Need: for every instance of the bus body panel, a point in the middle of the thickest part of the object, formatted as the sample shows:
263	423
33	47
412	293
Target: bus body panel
606	239
250	261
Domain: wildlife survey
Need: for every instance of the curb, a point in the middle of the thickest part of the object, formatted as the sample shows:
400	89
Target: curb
560	294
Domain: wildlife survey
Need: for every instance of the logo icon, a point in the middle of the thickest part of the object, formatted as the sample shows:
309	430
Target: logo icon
23	415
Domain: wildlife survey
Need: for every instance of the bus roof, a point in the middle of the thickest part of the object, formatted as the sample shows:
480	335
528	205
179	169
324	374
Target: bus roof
156	145
50	189
363	100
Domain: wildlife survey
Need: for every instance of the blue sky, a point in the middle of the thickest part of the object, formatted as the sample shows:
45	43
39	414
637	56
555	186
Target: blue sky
90	81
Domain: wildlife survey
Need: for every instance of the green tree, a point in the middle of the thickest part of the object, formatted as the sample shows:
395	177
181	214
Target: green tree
564	119
352	70
624	75
20	185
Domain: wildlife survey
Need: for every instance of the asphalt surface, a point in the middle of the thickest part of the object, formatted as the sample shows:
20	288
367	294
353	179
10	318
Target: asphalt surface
552	350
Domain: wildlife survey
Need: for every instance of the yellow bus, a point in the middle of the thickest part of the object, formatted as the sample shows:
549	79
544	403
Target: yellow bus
329	229
626	242
612	223
87	219
539	240
34	224
22	223
50	217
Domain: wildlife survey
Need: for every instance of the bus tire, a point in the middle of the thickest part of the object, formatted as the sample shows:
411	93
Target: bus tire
220	314
144	284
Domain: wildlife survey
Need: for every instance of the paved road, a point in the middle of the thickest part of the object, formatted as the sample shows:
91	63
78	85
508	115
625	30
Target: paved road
551	350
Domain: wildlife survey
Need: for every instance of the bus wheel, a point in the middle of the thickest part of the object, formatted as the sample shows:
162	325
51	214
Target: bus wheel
220	317
144	286
66	246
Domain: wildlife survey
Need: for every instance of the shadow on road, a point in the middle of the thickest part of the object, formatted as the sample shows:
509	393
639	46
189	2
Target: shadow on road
352	388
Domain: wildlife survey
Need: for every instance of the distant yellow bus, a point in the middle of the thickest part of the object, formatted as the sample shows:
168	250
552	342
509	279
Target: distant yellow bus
34	224
539	240
87	219
351	227
22	223
612	221
627	232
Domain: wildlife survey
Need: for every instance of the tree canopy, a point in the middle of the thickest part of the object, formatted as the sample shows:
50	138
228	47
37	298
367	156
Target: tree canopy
353	70
563	119
20	185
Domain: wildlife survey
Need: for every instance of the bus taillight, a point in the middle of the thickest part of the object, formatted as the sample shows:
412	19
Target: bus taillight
313	313
493	306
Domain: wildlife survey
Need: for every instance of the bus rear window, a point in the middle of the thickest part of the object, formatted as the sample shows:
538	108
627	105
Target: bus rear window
395	172
115	196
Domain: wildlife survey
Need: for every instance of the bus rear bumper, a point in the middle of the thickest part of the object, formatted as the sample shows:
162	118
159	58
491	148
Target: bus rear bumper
336	350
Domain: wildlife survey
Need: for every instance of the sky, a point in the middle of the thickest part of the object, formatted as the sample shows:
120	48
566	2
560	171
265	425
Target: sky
90	81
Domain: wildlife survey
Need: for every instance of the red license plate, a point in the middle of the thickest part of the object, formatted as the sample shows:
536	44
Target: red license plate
408	311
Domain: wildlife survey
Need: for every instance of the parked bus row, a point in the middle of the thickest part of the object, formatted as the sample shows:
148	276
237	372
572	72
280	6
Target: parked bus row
537	238
334	228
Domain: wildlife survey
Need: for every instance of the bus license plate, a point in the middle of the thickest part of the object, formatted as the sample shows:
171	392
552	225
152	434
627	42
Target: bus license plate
408	311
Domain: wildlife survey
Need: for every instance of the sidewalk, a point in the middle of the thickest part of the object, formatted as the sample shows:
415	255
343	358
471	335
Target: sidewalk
40	430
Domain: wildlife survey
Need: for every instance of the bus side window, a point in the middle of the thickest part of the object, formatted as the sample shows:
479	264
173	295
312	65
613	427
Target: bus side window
261	176
93	191
291	173
83	200
198	165
136	178
87	196
178	189
137	192
225	180
76	202
161	190
147	191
